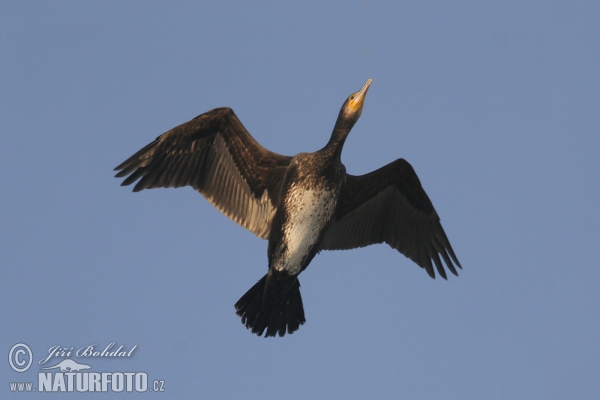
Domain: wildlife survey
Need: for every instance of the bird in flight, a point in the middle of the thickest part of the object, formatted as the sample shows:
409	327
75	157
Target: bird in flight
301	204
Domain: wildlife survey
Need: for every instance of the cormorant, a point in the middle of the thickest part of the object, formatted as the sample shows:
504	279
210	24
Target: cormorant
301	204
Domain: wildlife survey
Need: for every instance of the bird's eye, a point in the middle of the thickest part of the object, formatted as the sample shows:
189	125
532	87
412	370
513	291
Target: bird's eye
352	97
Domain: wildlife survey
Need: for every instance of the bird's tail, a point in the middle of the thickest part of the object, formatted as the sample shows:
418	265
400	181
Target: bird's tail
273	303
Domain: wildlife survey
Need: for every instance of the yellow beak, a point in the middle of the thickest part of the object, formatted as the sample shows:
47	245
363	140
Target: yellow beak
357	99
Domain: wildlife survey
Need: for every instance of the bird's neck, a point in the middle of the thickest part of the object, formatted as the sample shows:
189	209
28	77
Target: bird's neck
342	128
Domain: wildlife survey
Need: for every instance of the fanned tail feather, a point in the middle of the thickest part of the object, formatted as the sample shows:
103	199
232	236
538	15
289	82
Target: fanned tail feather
273	303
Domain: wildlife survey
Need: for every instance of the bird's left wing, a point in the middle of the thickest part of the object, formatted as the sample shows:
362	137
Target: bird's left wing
214	154
389	205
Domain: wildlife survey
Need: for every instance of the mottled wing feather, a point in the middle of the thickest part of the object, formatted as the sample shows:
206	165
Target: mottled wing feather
214	154
389	205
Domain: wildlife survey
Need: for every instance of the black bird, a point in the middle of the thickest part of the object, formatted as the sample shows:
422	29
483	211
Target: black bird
301	204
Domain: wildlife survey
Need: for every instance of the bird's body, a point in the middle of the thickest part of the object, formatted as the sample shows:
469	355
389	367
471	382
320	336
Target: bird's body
312	188
301	204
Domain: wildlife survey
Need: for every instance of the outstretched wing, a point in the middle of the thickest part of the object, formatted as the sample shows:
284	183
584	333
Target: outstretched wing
214	154
389	205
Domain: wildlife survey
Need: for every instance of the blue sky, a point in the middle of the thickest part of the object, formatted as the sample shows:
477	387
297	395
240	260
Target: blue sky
495	104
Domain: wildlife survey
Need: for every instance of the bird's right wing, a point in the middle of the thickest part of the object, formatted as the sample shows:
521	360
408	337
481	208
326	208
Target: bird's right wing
389	205
214	154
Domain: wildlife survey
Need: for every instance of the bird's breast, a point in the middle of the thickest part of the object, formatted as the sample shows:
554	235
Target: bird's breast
308	210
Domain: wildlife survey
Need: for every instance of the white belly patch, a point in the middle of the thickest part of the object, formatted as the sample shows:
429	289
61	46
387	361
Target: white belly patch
312	210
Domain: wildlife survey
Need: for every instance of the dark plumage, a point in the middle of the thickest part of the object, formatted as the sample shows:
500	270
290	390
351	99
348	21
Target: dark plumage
301	204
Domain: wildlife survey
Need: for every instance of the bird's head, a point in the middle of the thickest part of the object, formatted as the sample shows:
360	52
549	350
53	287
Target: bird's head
353	105
349	114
